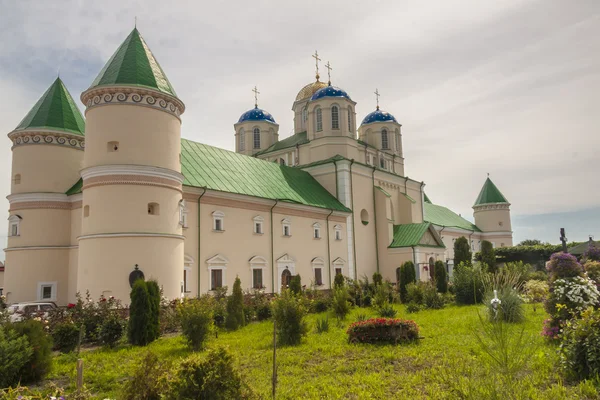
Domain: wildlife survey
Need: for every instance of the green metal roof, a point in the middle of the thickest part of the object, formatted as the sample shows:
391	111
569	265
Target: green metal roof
425	198
76	188
292	141
134	64
583	247
226	171
408	235
383	191
442	216
408	198
490	194
55	110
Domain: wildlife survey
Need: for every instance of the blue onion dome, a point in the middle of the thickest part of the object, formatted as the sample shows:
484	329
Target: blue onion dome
330	91
379	116
257	114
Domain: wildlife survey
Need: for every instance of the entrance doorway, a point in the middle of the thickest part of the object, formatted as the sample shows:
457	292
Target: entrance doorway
286	278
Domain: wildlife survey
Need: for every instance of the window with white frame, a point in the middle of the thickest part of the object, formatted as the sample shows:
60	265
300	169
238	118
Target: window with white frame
216	278
318	264
217	265
187	271
218	219
258	224
183	214
318	276
335	117
350	119
46	291
338	266
286	225
14	225
382	162
242	140
384	139
337	229
319	119
256	137
258	265
316	230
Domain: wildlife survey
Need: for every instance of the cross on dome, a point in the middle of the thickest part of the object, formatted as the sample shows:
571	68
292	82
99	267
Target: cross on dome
256	93
377	96
317	59
328	66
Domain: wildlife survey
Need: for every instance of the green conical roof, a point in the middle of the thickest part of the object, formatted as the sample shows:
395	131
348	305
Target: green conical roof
490	194
55	110
134	64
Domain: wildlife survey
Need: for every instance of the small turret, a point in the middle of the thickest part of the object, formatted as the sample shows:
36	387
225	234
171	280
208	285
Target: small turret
256	130
492	215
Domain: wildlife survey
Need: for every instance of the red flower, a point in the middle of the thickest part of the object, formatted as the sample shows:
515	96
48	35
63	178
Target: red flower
70	305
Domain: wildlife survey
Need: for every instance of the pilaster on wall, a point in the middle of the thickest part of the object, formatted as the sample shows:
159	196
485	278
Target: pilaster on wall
344	184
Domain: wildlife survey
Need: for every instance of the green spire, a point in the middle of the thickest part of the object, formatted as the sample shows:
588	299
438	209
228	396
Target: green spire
490	194
55	110
134	64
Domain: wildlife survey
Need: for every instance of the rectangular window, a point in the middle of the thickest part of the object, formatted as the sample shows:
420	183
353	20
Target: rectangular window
216	279
242	140
258	228
286	230
318	276
338	235
14	230
186	279
46	291
338	271
317	233
257	278
218	224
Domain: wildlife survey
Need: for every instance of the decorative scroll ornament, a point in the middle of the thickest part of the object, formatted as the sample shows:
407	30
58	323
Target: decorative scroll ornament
29	137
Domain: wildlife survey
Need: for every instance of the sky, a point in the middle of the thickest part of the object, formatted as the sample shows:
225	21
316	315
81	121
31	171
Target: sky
510	88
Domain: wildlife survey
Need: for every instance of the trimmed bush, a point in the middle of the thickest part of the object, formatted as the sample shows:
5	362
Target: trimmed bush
40	361
340	304
441	277
468	284
580	348
289	314
563	265
111	330
154	315
212	377
15	353
197	323
413	307
488	256
462	251
407	275
383	330
235	307
140	331
66	336
296	284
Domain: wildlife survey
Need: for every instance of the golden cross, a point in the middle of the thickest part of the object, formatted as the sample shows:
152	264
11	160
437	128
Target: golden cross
317	59
256	93
328	72
377	96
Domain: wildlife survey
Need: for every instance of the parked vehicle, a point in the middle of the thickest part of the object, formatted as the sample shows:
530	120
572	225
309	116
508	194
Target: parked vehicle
18	310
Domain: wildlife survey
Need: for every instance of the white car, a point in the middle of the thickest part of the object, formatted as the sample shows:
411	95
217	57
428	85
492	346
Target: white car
18	310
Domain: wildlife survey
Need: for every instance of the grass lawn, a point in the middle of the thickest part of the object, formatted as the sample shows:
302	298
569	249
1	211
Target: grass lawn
447	363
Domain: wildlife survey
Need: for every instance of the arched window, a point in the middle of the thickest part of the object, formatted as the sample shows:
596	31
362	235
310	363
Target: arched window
281	161
335	117
256	135
350	128
242	140
384	139
397	141
304	118
382	163
319	118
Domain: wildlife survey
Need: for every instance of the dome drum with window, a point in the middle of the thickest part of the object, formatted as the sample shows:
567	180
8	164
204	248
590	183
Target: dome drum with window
255	130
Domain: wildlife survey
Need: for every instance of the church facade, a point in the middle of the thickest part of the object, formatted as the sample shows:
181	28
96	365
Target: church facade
94	199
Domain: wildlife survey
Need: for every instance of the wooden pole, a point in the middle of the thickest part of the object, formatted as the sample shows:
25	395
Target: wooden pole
79	375
274	358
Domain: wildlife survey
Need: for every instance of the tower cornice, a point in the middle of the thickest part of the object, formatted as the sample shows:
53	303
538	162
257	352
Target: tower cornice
47	137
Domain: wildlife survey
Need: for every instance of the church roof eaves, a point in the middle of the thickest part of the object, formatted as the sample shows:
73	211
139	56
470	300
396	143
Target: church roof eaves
442	216
410	235
292	141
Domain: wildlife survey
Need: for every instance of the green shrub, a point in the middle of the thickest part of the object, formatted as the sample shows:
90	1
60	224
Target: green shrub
592	269
510	308
468	284
441	277
340	304
213	377
537	275
289	315
361	317
407	276
235	307
154	315
66	336
536	291
413	307
338	281
322	325
386	311
580	348
320	302
147	380
169	320
296	284
40	361
462	251
15	353
378	330
570	296
377	279
431	298
111	331
382	295
140	330
415	293
488	256
563	265
260	304
197	323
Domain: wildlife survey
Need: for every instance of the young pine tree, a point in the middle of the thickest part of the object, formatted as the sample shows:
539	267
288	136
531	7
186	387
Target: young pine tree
488	256
235	307
154	297
407	275
441	278
462	251
140	330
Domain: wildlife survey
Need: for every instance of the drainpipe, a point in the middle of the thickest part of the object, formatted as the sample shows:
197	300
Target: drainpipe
422	207
353	215
337	194
199	240
393	163
297	154
329	251
405	180
272	249
375	219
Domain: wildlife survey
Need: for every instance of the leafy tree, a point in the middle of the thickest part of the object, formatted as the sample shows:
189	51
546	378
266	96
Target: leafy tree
488	256
235	307
296	284
531	242
441	278
407	275
462	251
140	331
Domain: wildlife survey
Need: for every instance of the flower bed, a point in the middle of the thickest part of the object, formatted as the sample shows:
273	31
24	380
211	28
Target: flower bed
387	330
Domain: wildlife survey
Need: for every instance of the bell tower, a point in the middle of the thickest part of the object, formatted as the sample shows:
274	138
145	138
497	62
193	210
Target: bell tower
132	181
492	215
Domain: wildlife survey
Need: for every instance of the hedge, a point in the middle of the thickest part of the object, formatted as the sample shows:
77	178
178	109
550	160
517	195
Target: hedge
387	330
